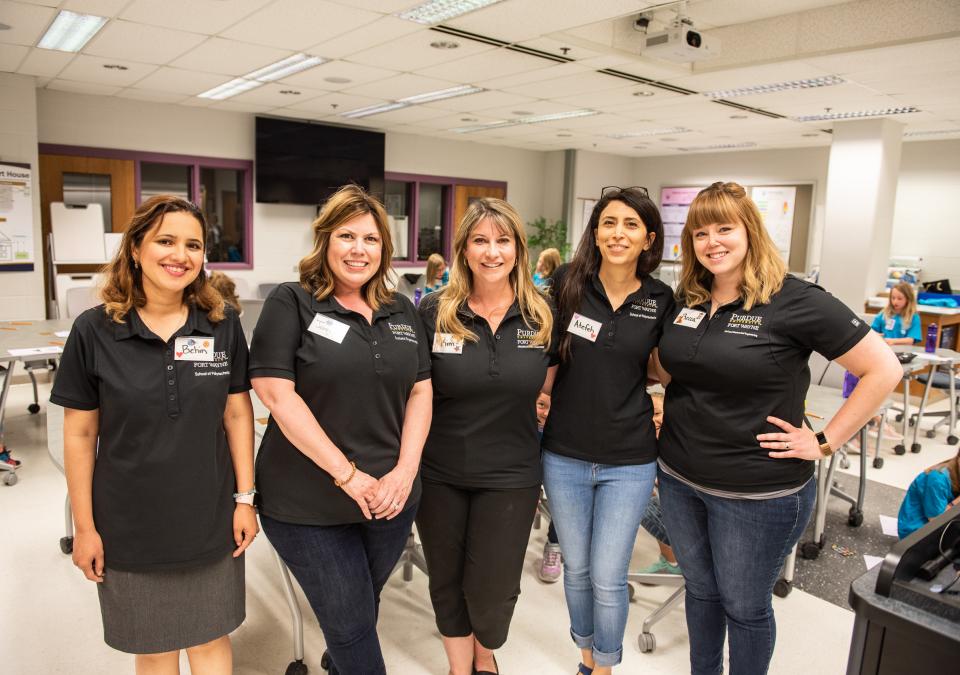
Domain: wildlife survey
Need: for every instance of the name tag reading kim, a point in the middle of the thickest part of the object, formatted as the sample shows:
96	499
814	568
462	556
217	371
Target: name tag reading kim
447	343
584	327
326	327
690	318
197	348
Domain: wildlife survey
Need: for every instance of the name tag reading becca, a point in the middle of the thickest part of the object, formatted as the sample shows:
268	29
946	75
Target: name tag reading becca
690	318
198	348
331	329
584	327
447	343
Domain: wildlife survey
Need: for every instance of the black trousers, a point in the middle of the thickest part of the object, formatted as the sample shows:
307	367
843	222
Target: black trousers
474	540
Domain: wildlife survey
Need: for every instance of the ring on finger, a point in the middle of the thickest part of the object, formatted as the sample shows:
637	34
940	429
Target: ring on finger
786	445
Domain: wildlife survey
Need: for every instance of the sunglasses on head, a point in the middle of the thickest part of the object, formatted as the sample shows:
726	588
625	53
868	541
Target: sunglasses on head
613	191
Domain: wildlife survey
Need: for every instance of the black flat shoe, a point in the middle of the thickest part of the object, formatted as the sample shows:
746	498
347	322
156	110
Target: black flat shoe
488	672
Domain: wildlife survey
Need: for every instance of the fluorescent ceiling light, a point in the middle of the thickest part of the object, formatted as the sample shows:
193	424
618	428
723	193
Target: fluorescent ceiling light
374	109
721	146
531	119
288	66
811	83
435	11
231	88
650	132
70	31
484	127
441	94
937	132
854	115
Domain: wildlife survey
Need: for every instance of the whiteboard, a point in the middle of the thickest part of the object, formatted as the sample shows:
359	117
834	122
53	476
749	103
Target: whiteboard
777	204
77	233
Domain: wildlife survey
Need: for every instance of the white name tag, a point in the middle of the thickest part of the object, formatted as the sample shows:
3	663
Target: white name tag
447	343
331	329
690	318
891	323
584	327
197	348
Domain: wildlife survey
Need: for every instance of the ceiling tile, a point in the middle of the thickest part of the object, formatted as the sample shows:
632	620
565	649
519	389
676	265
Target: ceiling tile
45	62
11	56
630	95
484	101
197	16
384	6
534	76
91	69
271	95
107	8
151	95
137	42
298	24
234	105
413	52
229	57
527	109
83	87
334	103
400	87
27	22
582	83
383	30
487	66
749	76
179	81
356	73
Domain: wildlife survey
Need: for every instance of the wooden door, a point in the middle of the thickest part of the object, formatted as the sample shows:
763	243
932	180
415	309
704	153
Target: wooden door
464	194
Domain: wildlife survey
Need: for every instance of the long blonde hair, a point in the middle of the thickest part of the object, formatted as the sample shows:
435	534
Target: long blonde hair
347	203
122	289
434	263
533	306
763	267
906	318
550	260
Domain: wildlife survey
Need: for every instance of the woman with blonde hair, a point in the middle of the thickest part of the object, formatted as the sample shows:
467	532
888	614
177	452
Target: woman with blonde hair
436	266
158	447
899	322
547	264
490	330
736	462
343	364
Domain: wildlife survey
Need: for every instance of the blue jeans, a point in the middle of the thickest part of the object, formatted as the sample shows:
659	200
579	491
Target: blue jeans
342	569
596	509
731	552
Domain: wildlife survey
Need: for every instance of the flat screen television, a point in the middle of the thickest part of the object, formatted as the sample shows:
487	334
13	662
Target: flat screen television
305	163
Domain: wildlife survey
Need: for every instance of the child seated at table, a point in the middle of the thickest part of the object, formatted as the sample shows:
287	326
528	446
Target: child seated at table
931	493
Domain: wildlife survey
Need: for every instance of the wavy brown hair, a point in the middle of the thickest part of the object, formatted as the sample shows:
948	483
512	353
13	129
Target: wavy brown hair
122	290
909	310
763	267
227	289
347	203
533	306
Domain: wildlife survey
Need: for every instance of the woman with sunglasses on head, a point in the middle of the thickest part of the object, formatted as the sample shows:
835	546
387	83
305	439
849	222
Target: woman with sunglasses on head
599	446
736	462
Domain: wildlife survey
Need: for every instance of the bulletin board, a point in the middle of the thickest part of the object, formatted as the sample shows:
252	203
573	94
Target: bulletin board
16	217
674	204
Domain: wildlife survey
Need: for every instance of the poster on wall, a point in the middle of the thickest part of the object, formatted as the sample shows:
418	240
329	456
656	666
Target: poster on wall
674	204
16	217
776	205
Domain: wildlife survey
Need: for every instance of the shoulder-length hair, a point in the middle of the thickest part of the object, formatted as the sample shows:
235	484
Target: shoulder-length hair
122	289
347	203
763	267
533	306
227	288
434	263
906	318
550	261
586	261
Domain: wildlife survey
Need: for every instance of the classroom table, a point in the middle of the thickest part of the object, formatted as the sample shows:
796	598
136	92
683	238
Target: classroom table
946	359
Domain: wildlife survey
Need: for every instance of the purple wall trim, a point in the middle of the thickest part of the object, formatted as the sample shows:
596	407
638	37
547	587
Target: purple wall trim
414	237
195	162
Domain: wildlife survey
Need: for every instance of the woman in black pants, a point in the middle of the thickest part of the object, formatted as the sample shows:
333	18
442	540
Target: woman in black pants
490	331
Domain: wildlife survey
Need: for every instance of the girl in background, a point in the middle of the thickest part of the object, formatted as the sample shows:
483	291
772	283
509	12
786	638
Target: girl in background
899	322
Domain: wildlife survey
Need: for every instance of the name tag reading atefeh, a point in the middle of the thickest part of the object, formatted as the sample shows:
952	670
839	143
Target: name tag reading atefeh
326	327
690	318
447	343
198	348
584	327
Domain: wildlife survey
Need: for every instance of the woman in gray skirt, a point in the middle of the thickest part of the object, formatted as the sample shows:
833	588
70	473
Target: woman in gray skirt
158	447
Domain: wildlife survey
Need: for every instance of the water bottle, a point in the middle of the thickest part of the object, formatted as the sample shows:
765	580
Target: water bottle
418	293
931	345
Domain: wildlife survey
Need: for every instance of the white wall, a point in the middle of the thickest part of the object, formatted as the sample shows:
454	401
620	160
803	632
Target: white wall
595	171
21	293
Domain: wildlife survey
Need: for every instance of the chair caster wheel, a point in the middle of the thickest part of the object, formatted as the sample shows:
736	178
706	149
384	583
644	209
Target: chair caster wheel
931	433
915	448
911	421
899	449
325	661
782	588
855	519
952	440
899	417
66	545
878	463
10	479
296	668
33	408
810	550
844	462
647	642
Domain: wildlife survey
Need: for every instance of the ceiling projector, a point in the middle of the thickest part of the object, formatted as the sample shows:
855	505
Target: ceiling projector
681	44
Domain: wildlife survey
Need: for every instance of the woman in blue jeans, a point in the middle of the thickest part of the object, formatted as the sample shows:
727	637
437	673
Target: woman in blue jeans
343	365
599	447
736	463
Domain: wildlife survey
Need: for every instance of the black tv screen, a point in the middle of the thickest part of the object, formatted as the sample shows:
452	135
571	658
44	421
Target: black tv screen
304	163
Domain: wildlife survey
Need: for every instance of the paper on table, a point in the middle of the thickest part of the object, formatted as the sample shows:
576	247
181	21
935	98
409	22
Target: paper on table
35	351
872	561
61	333
889	526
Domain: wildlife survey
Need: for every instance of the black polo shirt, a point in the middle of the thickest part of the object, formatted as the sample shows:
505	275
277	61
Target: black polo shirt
484	431
600	410
732	371
355	378
163	480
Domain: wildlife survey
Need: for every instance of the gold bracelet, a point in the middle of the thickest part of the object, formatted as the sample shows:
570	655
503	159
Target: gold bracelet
353	471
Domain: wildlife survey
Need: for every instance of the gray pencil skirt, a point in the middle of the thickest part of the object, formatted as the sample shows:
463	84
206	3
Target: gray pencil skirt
153	612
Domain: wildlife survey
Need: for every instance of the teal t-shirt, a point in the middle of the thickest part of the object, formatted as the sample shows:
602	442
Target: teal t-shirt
893	328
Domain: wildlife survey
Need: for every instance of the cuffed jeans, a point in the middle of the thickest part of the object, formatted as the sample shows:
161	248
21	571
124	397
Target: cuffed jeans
342	569
731	552
597	509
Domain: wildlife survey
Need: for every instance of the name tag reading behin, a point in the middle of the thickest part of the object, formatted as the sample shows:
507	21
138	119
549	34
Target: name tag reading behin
326	327
193	348
690	318
447	343
585	327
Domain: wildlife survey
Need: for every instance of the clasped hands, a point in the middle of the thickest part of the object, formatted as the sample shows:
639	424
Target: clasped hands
384	498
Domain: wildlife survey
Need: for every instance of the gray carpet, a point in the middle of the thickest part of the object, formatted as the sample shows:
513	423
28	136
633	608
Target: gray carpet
829	576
